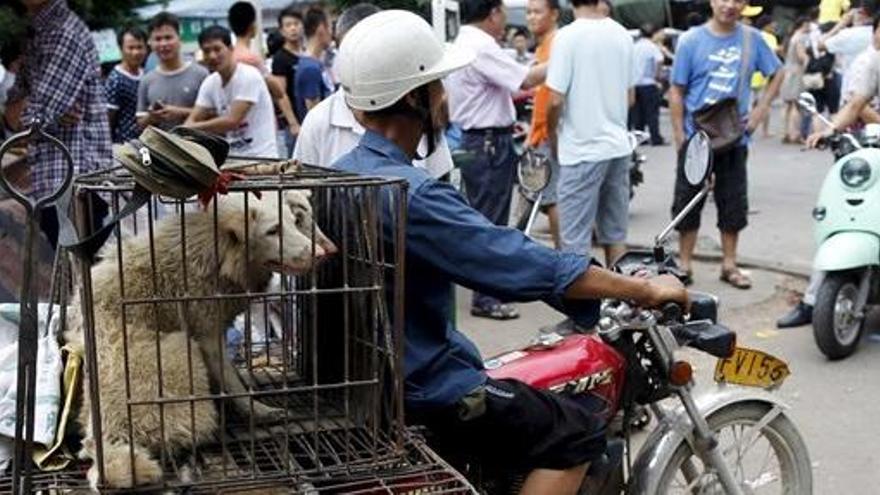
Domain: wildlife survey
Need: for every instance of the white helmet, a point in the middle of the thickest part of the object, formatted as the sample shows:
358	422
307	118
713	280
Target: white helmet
390	53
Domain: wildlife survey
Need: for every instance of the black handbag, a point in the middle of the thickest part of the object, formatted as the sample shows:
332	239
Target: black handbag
822	64
720	120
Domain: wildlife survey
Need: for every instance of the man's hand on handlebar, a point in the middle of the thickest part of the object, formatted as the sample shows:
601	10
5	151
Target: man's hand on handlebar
663	289
816	138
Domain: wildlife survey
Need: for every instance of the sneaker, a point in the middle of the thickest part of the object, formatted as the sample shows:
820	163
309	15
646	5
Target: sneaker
496	311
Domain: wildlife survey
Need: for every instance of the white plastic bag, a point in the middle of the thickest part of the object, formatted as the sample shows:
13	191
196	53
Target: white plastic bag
49	370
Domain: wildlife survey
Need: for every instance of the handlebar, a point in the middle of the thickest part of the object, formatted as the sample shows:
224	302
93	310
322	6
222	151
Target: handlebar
672	312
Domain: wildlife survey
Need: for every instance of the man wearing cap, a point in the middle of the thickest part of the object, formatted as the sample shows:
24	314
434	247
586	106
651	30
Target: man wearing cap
390	66
481	103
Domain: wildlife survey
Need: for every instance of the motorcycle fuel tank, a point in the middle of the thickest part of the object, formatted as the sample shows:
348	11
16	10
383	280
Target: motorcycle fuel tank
577	364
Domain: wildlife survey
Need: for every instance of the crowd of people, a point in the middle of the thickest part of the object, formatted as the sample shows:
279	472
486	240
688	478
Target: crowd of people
226	88
387	102
286	102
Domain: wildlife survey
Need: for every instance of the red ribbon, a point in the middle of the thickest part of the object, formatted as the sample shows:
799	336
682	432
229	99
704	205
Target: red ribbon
221	186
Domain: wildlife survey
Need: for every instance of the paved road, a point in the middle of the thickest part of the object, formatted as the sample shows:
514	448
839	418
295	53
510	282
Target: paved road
833	404
783	182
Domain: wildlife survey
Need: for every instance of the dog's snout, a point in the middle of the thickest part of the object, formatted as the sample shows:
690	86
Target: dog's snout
327	246
319	251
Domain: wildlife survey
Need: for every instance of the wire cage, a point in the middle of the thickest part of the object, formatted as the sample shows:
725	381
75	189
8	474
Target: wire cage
252	343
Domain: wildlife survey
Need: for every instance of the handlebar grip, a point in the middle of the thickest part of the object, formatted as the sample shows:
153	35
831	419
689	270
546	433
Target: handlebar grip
672	312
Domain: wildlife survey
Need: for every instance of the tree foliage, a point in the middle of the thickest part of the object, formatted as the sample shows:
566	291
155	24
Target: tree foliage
98	14
421	7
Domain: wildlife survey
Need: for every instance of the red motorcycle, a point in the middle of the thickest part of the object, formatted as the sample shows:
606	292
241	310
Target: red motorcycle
730	440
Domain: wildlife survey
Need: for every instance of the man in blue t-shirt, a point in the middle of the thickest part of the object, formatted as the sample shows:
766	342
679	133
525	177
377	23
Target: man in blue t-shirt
312	81
708	68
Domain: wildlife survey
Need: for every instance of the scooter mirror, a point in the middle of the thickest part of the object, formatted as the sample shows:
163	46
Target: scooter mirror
807	102
697	158
533	171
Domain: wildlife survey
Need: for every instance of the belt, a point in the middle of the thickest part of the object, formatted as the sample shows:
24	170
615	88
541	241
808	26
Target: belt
490	130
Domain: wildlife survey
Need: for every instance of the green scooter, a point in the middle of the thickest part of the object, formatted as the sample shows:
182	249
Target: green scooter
847	231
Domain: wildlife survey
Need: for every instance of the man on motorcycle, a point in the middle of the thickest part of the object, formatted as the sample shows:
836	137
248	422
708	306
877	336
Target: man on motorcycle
390	66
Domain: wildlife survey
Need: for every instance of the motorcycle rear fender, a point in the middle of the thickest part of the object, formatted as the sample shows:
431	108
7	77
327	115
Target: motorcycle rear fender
670	433
847	250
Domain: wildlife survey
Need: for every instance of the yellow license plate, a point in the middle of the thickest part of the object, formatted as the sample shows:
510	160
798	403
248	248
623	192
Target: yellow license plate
751	368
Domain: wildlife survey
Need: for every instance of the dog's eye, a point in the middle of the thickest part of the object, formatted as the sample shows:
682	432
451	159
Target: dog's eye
272	231
300	218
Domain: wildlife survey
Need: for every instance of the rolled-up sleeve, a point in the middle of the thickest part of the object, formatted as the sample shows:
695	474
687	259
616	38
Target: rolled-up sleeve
445	232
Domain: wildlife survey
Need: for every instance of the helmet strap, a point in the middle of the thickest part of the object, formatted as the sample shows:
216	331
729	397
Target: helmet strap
424	101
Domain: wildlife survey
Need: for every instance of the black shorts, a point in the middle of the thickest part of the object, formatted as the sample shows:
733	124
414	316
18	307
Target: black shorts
731	192
510	425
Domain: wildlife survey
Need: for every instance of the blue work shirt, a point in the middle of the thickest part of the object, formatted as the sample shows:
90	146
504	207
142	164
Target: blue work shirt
449	242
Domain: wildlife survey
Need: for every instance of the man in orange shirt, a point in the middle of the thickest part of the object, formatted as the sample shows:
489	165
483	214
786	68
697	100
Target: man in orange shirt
542	17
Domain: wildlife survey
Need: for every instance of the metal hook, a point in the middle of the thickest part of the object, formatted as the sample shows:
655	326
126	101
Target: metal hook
28	342
34	205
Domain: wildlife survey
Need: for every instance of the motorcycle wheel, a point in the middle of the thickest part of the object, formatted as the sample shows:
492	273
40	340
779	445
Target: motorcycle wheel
836	326
732	426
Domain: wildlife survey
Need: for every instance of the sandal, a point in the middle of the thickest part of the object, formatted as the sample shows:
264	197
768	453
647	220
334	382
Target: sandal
736	278
497	311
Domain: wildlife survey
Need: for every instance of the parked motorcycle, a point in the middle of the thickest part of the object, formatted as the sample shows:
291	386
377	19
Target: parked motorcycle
847	232
533	174
729	440
636	176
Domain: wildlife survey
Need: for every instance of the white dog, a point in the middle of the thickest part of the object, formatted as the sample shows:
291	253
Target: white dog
238	256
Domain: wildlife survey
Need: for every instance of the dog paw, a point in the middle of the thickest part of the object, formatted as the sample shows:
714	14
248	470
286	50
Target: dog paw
268	414
118	471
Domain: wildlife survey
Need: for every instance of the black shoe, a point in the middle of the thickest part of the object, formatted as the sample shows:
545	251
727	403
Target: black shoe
800	315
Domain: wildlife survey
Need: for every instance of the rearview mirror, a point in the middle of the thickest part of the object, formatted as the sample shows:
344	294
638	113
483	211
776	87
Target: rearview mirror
807	102
533	171
697	163
697	158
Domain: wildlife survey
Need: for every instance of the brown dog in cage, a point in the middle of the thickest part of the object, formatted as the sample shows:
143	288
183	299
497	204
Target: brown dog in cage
160	313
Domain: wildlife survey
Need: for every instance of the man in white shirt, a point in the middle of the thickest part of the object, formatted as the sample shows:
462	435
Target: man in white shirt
234	101
590	77
331	130
481	103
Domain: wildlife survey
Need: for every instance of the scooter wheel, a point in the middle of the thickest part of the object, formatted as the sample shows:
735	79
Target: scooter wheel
837	322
